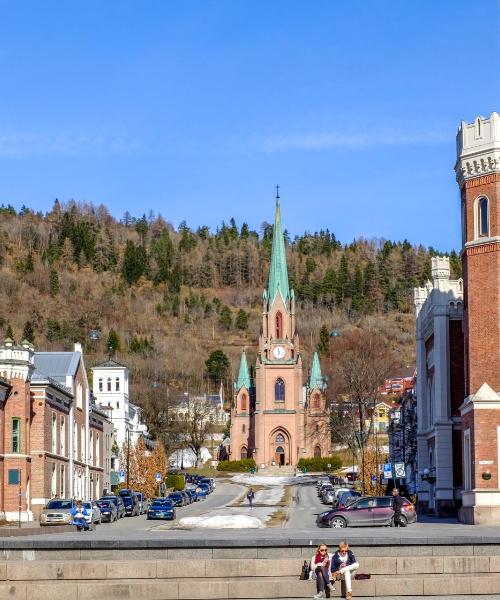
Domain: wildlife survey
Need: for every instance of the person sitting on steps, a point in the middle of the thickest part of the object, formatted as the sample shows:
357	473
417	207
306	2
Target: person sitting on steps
343	564
321	564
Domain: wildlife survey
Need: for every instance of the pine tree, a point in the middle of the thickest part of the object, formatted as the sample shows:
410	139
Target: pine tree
217	366
225	317
324	340
9	333
113	342
54	283
242	320
28	333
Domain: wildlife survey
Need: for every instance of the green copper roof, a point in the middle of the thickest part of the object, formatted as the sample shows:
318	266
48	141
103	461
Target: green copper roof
243	374
278	273
316	379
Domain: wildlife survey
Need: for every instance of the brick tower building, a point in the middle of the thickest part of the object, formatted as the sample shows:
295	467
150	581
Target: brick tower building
278	421
478	176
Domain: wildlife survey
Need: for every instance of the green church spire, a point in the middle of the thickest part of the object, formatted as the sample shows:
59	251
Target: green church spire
243	374
316	380
278	273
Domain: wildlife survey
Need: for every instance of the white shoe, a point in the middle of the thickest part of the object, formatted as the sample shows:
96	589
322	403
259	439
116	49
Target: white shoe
331	588
320	595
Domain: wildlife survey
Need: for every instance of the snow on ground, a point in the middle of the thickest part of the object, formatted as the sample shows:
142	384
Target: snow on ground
269	496
247	479
222	522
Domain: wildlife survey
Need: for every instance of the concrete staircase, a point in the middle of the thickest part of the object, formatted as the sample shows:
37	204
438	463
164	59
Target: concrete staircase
230	573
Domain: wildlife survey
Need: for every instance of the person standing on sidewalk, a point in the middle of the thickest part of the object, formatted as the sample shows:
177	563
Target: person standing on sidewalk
397	505
250	497
343	564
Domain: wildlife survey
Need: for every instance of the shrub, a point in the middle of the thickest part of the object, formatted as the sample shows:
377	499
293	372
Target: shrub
177	482
320	463
237	466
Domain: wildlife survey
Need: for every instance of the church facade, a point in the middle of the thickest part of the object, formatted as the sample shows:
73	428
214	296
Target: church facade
276	419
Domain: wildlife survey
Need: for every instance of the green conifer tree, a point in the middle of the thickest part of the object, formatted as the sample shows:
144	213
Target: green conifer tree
324	340
225	317
28	333
113	342
54	283
242	320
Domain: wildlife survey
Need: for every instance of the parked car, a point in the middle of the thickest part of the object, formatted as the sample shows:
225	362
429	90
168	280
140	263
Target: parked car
108	510
336	493
118	502
143	502
204	487
321	481
130	502
192	493
161	508
209	481
324	487
345	498
368	511
57	512
328	496
187	497
177	498
94	516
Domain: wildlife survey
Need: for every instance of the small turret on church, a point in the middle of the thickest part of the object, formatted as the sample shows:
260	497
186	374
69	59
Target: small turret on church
242	437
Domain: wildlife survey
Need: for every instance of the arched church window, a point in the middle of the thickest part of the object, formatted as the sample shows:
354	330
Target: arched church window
108	384
317	452
100	384
243	428
244	452
315	401
117	384
279	390
280	438
244	402
279	326
482	218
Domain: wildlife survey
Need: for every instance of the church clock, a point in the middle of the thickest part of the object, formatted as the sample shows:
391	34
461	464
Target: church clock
279	352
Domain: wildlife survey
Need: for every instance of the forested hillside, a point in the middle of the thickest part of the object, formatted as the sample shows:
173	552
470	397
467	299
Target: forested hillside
165	298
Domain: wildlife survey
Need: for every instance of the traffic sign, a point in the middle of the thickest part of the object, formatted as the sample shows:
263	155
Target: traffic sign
158	477
121	475
387	471
399	470
374	478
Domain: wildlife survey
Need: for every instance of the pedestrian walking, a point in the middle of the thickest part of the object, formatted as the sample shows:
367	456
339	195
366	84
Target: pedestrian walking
250	497
343	565
321	564
397	505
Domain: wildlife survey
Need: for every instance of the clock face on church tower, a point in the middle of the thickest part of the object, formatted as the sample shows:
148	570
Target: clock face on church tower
279	352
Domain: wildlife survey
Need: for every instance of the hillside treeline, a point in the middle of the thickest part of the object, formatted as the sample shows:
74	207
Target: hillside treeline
76	273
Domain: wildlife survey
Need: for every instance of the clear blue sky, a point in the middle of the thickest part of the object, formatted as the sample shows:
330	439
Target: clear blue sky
196	109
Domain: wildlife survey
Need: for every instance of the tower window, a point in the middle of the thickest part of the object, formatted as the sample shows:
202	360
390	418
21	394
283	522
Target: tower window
109	384
280	438
279	326
279	390
243	428
117	384
100	384
16	434
315	401
244	403
244	452
482	217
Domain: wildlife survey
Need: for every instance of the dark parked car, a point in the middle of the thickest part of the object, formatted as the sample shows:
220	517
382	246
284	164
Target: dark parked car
205	488
108	510
345	498
130	502
192	493
118	502
209	481
187	497
161	508
143	502
177	498
368	511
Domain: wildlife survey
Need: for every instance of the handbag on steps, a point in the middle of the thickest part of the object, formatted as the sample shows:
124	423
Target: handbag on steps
304	573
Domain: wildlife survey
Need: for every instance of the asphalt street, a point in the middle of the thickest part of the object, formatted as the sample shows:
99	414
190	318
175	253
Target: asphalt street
305	505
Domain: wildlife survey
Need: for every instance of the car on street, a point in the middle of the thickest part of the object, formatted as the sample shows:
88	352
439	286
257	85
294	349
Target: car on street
336	493
118	502
367	511
57	512
130	502
143	502
345	498
328	496
192	493
94	517
187	497
209	481
108	511
161	508
177	498
204	487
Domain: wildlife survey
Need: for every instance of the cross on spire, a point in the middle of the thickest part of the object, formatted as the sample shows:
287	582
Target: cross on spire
277	192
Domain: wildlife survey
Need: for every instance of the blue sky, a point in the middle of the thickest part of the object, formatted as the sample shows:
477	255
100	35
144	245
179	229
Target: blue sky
196	109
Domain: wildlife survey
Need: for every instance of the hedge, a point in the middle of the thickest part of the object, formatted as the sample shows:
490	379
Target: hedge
320	464
177	482
238	466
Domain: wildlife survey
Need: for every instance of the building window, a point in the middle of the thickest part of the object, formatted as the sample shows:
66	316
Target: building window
62	483
14	476
100	384
243	428
97	451
467	461
317	452
279	325
244	452
16	434
53	481
82	443
279	390
483	227
117	384
244	402
109	384
79	396
280	438
54	433
62	437
117	405
75	441
91	449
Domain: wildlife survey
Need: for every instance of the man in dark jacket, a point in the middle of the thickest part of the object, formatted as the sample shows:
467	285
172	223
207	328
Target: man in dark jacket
397	505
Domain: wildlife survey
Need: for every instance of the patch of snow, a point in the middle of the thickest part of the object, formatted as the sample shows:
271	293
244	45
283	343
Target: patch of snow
246	479
270	496
222	522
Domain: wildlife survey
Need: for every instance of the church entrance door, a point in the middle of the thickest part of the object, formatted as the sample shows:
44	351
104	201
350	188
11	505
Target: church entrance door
280	456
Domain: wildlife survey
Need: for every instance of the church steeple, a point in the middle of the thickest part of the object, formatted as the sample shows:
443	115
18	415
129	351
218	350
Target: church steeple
243	374
316	380
278	273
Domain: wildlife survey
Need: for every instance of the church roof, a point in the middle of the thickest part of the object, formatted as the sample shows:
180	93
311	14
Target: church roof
109	364
243	374
278	273
316	380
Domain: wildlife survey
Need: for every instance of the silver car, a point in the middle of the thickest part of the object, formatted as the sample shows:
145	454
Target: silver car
94	517
57	512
